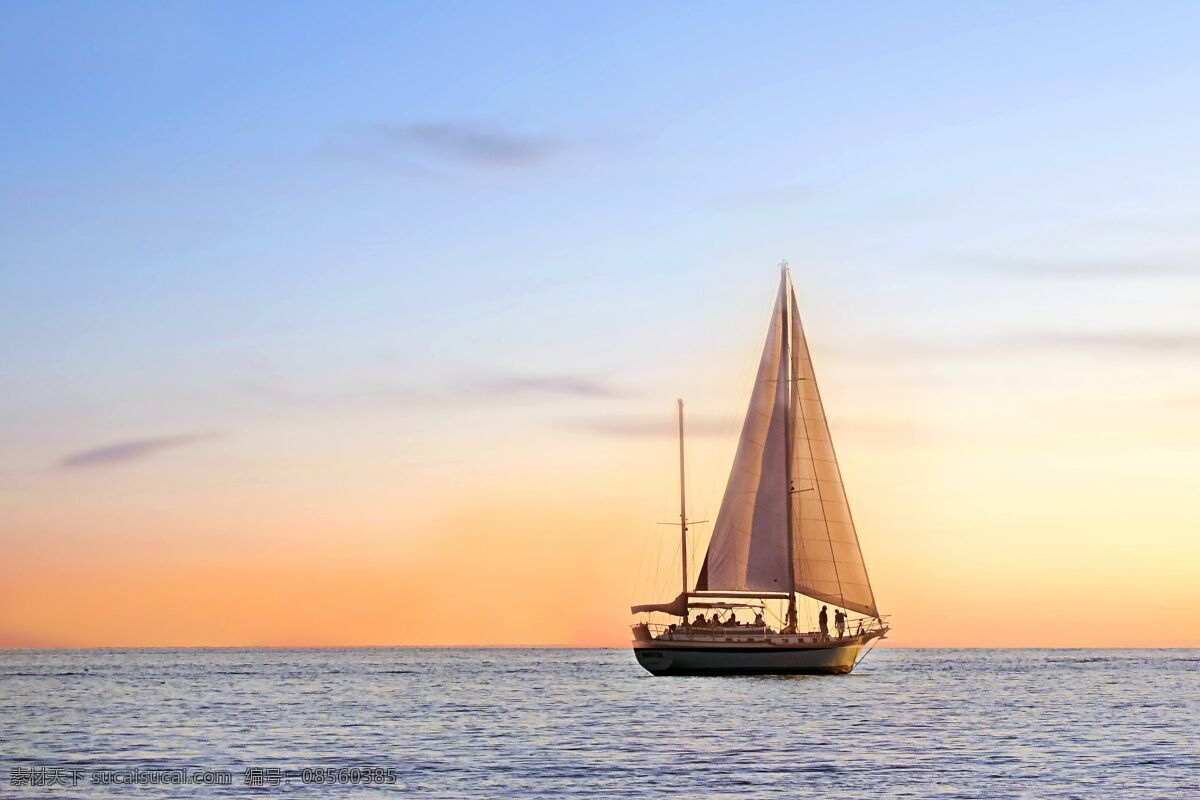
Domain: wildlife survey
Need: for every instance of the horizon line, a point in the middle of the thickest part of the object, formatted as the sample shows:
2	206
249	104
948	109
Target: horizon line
7	649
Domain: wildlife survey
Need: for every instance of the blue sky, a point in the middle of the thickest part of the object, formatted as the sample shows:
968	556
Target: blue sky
202	197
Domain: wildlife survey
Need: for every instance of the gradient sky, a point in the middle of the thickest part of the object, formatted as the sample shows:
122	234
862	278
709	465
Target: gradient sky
332	324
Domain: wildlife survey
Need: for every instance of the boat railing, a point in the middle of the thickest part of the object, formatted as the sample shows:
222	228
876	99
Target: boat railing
656	630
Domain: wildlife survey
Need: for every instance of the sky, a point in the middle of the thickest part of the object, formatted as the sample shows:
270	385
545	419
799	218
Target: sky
362	324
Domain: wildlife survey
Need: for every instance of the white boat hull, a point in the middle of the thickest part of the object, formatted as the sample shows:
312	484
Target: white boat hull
834	657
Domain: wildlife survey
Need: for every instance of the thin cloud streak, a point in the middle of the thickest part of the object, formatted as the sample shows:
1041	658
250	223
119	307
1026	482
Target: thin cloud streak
659	426
514	386
471	144
1148	344
129	450
442	150
464	390
273	389
1080	267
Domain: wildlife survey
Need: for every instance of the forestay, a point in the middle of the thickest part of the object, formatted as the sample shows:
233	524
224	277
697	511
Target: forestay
749	546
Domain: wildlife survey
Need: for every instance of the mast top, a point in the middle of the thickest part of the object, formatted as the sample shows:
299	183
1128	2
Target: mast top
784	521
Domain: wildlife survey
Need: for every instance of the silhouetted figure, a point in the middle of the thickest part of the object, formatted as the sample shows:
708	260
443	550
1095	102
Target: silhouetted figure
839	622
758	620
699	621
824	620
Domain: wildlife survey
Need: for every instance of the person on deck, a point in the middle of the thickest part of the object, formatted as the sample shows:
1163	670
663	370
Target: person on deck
839	622
699	621
758	620
824	620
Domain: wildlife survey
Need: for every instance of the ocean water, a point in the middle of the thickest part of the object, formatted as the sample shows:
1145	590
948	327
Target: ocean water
529	723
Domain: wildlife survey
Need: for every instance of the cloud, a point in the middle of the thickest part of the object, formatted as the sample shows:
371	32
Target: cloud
516	385
272	388
1081	267
471	144
1129	342
464	390
1146	343
439	149
651	426
130	450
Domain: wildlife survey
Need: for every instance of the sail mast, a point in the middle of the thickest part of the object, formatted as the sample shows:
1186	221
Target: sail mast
682	509
765	539
786	373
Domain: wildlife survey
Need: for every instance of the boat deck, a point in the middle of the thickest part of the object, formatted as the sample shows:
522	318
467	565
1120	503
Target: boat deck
646	634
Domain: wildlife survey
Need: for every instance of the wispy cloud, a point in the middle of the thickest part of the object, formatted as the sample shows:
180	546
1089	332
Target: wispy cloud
276	390
465	389
650	426
1110	342
129	450
516	386
472	144
1145	343
437	149
1146	266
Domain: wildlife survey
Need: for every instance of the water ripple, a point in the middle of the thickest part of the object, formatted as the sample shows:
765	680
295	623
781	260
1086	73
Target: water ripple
591	724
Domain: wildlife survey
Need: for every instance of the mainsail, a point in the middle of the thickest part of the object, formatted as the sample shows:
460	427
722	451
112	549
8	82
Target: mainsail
750	542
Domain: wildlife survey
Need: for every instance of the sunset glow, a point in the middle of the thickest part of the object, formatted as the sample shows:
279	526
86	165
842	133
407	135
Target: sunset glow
392	360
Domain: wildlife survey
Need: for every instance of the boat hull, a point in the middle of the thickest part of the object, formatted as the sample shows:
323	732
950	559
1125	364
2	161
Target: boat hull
674	658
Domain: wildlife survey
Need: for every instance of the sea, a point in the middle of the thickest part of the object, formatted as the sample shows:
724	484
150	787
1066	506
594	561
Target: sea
563	723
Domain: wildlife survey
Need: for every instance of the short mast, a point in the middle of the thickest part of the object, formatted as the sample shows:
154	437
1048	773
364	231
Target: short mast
785	348
682	508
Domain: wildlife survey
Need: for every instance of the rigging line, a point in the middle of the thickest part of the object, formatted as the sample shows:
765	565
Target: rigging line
771	612
845	497
811	376
732	424
863	657
643	581
667	498
642	558
657	564
644	585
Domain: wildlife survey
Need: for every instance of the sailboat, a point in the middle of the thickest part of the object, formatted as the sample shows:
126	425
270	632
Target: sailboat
784	530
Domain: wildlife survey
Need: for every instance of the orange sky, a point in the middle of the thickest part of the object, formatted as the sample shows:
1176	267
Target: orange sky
1027	528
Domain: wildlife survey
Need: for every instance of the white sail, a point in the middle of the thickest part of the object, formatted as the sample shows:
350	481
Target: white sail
829	562
749	546
748	550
